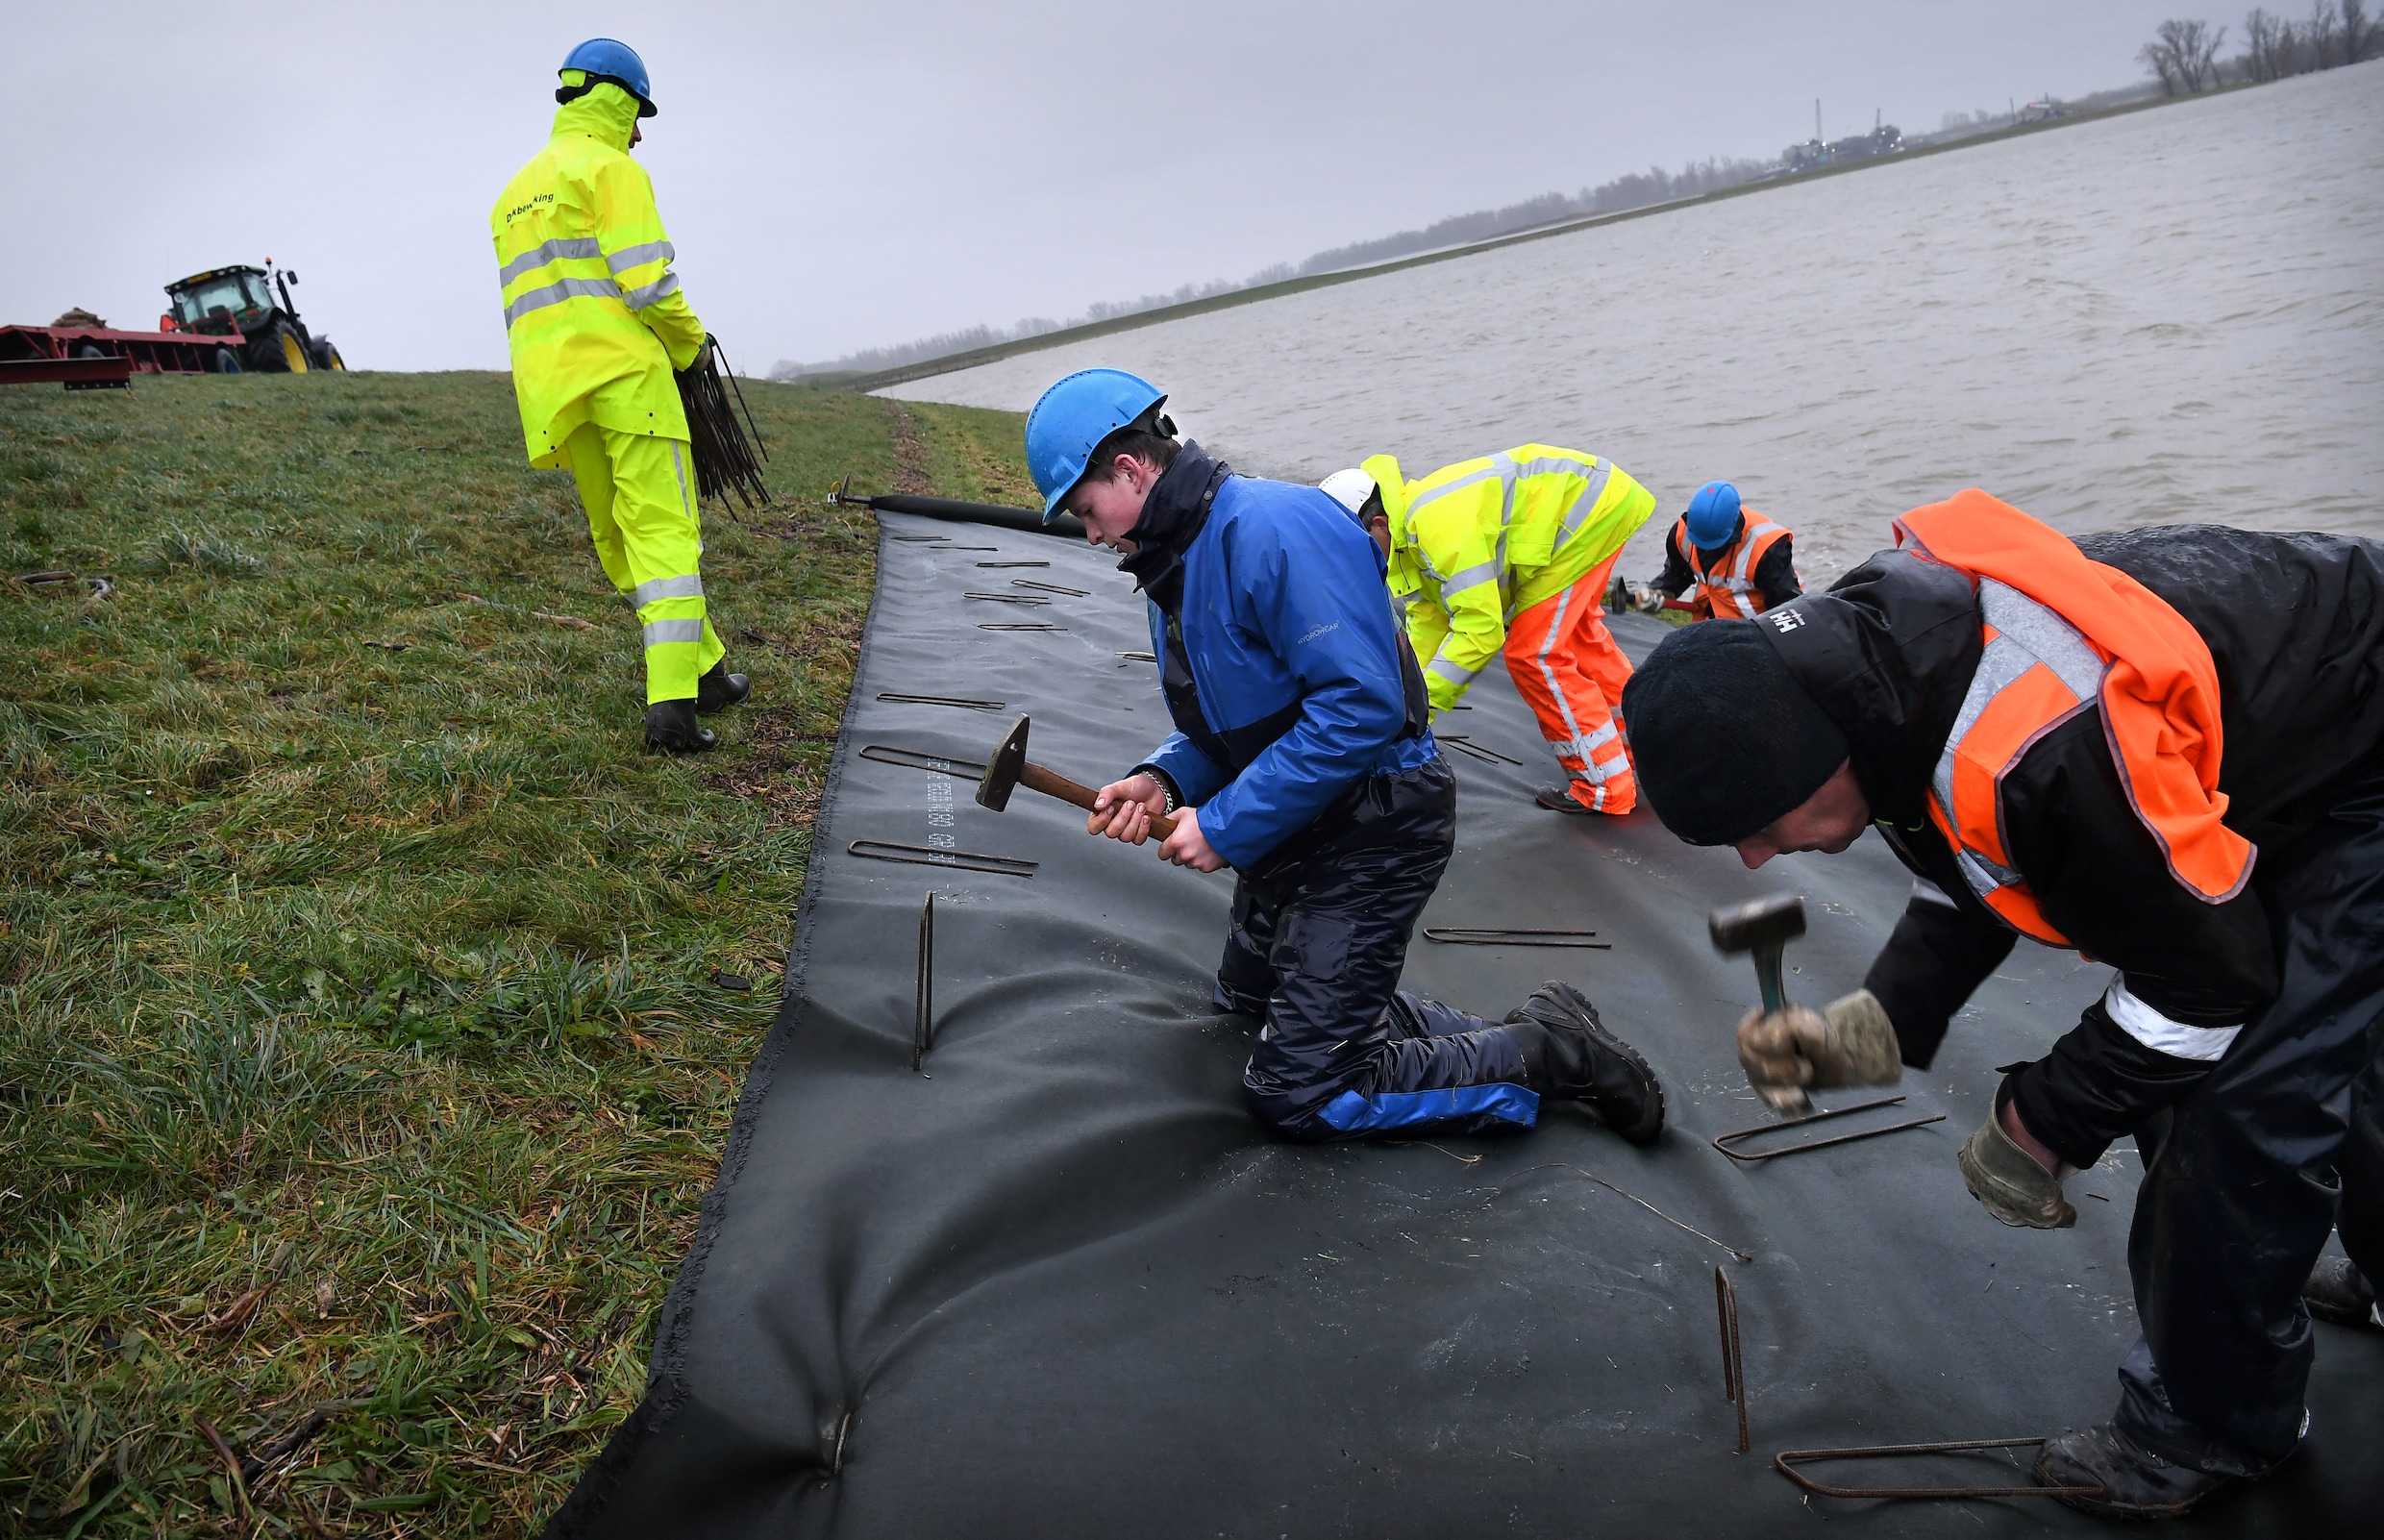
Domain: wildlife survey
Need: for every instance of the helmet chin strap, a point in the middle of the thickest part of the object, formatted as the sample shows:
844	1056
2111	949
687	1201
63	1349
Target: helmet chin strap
1154	421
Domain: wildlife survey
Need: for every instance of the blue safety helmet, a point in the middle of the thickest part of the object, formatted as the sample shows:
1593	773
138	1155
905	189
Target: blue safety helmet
1713	515
1075	415
603	58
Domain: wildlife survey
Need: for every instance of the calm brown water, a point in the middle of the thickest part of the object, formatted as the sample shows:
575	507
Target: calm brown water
2174	316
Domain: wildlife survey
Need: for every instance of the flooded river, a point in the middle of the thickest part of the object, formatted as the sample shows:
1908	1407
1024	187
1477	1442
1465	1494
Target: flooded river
2174	316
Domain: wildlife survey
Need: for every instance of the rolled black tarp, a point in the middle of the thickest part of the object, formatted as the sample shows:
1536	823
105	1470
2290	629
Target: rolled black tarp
1059	1284
953	511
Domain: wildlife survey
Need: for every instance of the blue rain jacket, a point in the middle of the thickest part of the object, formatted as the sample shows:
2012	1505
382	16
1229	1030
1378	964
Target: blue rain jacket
1284	608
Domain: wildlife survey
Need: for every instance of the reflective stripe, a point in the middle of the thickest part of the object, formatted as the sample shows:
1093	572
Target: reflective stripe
1548	674
629	256
538	299
690	586
1586	504
1557	465
1928	892
662	633
2023	637
1473	577
680	465
1351	1113
2205	1045
1453	673
1469	479
637	299
553	251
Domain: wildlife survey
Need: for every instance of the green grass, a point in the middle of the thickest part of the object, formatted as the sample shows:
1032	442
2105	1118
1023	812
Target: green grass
360	1051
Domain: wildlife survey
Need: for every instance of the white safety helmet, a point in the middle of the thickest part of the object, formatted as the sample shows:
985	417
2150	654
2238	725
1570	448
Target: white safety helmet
1347	488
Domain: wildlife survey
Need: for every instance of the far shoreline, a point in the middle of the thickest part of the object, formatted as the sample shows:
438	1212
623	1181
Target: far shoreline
956	362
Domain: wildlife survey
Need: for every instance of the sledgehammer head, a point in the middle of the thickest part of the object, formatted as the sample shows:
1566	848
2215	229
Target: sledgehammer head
1766	922
1764	927
1008	762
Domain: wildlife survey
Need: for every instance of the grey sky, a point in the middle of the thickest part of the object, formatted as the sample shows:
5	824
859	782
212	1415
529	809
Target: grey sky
841	177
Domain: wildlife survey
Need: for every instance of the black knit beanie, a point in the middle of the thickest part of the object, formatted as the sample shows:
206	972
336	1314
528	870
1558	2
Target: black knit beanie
1723	738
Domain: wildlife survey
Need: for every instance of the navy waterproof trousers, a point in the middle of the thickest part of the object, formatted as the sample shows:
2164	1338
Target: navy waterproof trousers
1320	934
2253	1168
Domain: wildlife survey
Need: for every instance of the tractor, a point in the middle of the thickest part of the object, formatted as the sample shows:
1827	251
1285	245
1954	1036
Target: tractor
236	304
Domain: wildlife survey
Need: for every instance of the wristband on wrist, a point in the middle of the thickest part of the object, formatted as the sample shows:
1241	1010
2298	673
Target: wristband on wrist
1167	786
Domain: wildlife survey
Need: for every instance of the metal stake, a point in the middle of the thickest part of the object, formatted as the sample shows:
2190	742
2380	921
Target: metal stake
1727	1143
1786	1462
1733	1365
923	1019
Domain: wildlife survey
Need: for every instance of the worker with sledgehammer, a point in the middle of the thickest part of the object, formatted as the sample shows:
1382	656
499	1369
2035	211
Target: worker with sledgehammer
596	323
1303	758
2165	748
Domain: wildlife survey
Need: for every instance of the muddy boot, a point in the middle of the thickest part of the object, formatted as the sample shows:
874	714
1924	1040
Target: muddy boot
1573	1056
2136	1483
671	729
720	689
1555	799
2338	1292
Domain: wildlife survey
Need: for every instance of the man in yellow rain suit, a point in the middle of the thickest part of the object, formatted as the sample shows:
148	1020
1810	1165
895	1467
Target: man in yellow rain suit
1512	552
597	324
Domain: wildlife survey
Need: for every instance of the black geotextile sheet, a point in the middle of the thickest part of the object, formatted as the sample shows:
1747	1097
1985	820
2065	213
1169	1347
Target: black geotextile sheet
1060	1284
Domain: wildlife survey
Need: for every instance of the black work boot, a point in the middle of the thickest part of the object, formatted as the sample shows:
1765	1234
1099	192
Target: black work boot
720	689
671	728
2136	1483
1575	1056
2337	1291
1555	799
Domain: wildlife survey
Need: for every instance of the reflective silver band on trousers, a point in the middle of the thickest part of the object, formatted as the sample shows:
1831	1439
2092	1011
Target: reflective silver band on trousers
553	251
690	586
661	632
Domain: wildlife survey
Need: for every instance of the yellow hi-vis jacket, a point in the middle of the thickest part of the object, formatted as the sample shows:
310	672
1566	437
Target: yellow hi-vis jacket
1475	544
592	311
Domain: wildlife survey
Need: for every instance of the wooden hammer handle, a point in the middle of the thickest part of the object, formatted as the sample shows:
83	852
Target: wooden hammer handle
1051	784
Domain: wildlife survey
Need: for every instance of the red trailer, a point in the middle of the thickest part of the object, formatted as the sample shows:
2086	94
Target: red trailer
95	357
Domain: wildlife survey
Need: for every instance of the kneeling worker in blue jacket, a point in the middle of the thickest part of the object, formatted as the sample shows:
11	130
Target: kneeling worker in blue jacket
1303	758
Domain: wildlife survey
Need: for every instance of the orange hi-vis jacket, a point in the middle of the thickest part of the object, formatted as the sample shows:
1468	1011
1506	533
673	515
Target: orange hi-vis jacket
1726	579
2063	634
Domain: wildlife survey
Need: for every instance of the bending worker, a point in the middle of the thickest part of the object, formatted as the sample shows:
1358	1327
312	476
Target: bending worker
1740	563
2165	748
596	323
1302	757
1512	552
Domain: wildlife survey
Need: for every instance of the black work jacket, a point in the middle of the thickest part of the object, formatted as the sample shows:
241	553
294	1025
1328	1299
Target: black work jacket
2294	624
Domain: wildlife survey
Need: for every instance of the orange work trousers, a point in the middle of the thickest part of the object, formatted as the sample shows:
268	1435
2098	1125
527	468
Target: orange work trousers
1566	664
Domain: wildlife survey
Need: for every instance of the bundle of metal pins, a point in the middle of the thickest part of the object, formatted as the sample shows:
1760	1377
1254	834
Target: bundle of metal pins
725	460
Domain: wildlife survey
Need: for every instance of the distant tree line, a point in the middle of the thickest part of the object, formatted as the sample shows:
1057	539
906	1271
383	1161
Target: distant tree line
2183	56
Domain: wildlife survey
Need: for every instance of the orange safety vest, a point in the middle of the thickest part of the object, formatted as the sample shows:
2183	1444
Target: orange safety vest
2064	633
1726	581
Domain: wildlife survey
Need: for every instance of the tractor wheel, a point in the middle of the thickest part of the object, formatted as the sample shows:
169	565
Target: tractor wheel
275	349
225	361
326	357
